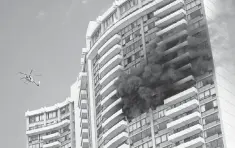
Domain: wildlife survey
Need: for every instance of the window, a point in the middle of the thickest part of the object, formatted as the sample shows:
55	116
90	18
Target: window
143	122
207	93
213	131
52	115
65	129
96	36
164	138
33	138
193	4
150	15
64	110
145	28
209	106
128	5
195	14
215	144
161	114
158	140
162	126
161	139
110	20
210	119
36	118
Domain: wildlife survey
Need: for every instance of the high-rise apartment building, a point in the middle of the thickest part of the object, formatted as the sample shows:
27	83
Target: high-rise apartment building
199	115
51	127
198	112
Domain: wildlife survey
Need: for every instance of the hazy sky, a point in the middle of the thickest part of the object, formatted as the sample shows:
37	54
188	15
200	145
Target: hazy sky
46	35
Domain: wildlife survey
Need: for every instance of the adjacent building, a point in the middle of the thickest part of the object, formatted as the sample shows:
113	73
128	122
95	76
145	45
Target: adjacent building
51	127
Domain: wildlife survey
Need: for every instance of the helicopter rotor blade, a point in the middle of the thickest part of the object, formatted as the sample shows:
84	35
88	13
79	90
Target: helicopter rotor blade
31	71
38	75
22	73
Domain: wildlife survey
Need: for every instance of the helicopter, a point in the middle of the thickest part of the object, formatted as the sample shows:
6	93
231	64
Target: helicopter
29	79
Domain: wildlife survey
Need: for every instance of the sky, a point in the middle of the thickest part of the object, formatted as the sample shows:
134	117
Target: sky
47	36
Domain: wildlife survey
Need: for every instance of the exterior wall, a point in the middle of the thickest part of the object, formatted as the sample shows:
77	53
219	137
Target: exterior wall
220	17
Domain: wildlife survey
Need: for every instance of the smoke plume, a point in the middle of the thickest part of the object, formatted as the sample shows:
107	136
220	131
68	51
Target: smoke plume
149	84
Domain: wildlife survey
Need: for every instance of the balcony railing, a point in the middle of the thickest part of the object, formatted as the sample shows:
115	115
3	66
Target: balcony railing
184	120
110	65
51	136
118	140
186	133
112	74
55	144
49	128
113	131
169	19
109	54
182	108
181	96
109	44
194	143
169	8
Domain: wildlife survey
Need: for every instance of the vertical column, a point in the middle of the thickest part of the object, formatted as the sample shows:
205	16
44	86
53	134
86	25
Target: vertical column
92	106
58	113
150	114
143	38
27	128
45	117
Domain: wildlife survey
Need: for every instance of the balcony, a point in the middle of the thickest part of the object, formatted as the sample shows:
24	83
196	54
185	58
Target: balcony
172	27
169	19
115	72
85	143
182	108
111	121
186	80
84	123
109	44
84	113
177	59
112	132
181	96
83	94
185	67
85	133
111	53
124	145
84	104
192	144
52	145
186	133
108	88
184	120
48	128
51	136
169	8
175	48
173	37
116	141
111	109
110	65
108	99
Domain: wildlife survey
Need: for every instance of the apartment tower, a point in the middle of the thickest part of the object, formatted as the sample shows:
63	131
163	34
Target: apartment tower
198	116
52	126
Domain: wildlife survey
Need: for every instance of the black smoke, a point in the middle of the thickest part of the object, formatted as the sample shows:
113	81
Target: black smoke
149	84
